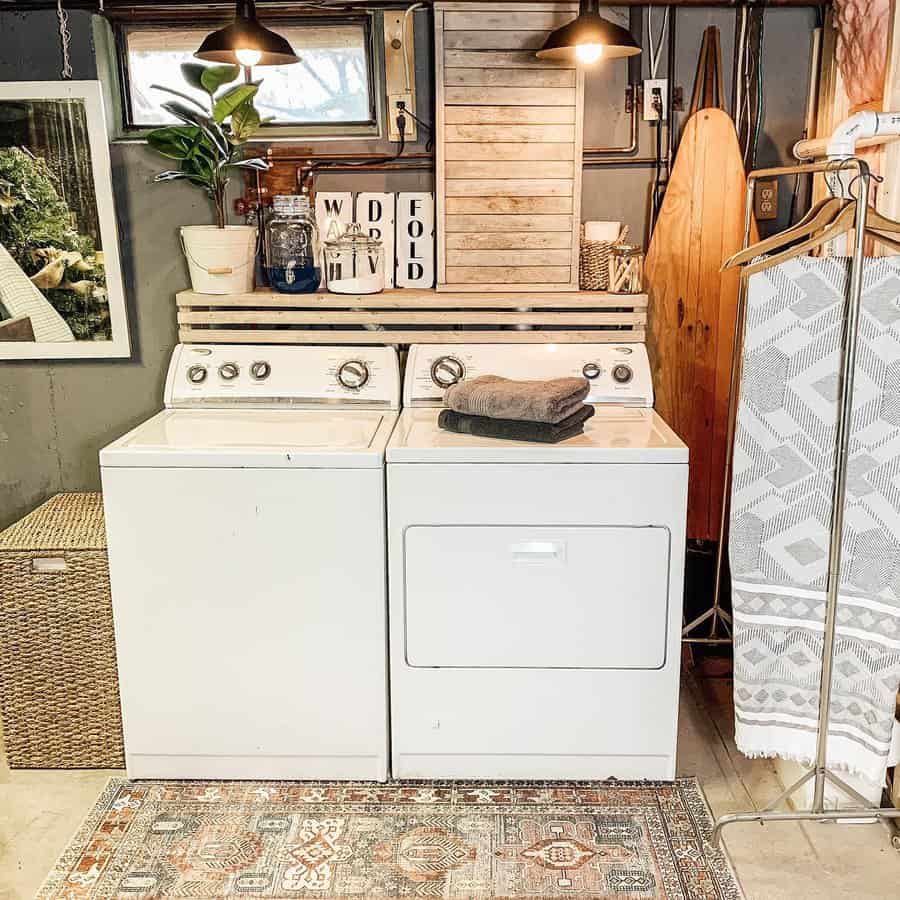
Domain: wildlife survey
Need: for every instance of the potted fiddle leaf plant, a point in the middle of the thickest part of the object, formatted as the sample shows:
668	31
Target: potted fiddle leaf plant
208	145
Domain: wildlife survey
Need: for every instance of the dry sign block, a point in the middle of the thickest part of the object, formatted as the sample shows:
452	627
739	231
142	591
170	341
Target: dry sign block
509	148
375	213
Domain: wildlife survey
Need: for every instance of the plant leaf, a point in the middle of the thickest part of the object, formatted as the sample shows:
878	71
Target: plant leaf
172	175
192	73
260	165
225	105
214	77
245	121
203	122
188	97
173	141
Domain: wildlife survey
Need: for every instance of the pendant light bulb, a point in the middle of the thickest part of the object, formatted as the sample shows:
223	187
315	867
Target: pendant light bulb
588	53
247	56
246	42
588	38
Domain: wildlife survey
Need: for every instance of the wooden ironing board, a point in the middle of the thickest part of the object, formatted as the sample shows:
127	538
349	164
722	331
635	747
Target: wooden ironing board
692	304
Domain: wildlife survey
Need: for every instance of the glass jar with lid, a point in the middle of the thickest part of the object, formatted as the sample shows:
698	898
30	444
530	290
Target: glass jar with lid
292	246
626	269
354	262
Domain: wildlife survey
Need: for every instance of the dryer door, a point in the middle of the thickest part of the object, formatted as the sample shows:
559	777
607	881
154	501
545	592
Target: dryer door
536	597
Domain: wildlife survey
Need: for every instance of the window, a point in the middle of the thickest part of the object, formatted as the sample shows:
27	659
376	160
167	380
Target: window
330	86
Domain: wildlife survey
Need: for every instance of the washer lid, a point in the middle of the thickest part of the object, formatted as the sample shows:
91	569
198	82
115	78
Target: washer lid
256	438
615	434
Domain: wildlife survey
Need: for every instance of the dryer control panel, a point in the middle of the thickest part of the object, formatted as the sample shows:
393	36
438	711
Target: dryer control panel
618	373
260	375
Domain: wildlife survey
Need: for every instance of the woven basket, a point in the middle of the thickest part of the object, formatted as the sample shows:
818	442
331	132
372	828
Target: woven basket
593	261
59	690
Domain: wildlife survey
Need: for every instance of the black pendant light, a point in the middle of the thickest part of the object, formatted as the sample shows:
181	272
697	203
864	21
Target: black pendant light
246	43
589	38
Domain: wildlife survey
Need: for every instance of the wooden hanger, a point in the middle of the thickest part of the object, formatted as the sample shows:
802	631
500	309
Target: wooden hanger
820	216
875	221
842	223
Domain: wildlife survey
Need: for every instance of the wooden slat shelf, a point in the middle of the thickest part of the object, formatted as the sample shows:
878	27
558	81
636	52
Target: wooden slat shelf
411	316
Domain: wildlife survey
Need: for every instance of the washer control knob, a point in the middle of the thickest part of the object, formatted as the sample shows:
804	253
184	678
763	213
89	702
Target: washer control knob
229	371
622	374
353	374
196	374
591	370
446	371
260	370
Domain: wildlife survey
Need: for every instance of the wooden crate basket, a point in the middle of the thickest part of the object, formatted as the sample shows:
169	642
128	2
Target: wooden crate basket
411	317
59	688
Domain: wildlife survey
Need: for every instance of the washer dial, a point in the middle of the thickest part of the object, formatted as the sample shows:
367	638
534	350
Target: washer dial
229	371
196	374
353	374
591	370
622	374
260	370
447	371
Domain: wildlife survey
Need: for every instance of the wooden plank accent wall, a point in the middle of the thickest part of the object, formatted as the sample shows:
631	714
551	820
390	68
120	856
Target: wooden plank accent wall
509	147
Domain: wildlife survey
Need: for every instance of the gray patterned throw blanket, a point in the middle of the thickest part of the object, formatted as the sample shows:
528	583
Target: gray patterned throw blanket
780	511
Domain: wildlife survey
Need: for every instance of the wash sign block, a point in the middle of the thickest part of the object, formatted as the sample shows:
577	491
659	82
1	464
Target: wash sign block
375	213
508	149
331	206
415	240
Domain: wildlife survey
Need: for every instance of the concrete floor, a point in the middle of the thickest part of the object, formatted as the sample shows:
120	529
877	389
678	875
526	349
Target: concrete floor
40	810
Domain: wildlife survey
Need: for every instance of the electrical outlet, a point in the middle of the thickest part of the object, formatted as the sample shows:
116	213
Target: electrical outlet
765	200
651	85
394	101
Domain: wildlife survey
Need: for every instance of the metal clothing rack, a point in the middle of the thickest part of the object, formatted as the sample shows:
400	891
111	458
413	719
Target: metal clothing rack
819	770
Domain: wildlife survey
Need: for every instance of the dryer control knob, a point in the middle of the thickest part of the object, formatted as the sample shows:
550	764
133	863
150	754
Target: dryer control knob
592	371
446	371
229	371
622	373
196	374
260	370
353	375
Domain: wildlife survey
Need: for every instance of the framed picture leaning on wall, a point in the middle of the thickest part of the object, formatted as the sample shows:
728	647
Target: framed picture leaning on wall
61	294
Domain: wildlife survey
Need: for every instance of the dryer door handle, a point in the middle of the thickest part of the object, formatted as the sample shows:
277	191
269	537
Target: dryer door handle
538	552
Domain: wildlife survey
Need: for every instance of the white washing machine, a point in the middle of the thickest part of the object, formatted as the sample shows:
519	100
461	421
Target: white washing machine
246	529
535	590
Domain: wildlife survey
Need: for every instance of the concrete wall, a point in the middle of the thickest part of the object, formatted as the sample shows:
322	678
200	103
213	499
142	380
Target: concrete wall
54	417
623	193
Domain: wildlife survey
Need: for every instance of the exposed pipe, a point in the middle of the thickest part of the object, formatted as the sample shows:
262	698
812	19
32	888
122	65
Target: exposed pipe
632	145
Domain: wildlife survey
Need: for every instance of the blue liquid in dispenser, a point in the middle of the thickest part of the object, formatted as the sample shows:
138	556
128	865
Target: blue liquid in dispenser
303	279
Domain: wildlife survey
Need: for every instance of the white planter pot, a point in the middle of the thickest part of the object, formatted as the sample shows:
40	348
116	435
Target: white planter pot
220	260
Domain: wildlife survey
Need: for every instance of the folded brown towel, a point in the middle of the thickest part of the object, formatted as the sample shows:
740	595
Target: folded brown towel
526	401
516	430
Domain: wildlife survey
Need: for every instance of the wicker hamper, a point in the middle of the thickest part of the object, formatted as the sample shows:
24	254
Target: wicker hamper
59	691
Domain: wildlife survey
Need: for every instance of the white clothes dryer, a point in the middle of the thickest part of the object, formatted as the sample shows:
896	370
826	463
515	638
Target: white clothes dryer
535	590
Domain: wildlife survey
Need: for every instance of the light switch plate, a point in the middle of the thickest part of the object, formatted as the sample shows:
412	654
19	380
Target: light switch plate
651	84
394	100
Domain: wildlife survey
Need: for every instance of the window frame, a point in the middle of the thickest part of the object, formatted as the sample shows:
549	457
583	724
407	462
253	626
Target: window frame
125	130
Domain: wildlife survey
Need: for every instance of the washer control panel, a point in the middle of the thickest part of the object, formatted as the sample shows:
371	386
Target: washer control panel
617	373
275	376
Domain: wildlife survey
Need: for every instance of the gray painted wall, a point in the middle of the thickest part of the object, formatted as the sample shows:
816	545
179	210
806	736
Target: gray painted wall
54	417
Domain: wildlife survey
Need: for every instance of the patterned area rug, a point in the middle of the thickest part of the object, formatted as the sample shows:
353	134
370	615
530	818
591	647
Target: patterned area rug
628	841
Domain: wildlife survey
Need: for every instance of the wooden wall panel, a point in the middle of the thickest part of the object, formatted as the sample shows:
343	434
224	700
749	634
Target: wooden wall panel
509	148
